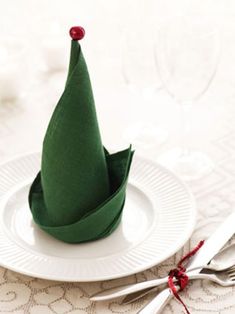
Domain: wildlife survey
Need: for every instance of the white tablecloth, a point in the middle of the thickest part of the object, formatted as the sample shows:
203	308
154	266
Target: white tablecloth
22	128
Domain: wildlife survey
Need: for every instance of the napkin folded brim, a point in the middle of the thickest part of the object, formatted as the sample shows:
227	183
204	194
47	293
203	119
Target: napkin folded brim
97	223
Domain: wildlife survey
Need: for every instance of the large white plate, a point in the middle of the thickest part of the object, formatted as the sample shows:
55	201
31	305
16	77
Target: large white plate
159	217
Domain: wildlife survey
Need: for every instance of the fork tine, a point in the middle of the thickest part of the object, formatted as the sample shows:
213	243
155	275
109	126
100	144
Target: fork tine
231	278
231	274
231	269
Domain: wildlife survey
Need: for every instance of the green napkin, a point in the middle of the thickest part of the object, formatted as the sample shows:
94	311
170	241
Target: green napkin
79	194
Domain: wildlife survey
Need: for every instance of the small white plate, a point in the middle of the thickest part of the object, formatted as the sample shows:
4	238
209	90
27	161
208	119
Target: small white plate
158	218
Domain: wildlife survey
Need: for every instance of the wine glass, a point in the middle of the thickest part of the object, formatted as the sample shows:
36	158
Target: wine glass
140	74
12	65
187	52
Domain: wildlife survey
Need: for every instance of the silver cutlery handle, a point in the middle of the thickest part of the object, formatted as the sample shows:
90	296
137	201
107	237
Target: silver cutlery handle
158	303
129	289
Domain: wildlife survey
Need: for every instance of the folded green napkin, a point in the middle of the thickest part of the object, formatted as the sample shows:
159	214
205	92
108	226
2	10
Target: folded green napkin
79	194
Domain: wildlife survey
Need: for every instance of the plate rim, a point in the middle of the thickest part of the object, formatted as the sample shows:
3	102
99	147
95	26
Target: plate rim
170	252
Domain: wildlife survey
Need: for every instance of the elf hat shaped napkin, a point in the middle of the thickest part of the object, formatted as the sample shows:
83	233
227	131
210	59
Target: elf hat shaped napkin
79	193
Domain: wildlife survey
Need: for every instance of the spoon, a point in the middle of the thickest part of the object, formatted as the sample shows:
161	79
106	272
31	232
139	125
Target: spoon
221	261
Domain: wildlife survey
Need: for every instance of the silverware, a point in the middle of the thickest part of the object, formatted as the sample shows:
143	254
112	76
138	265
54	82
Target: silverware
223	278
216	241
221	261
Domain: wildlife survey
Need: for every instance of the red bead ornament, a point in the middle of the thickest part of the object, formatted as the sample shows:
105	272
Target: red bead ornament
77	32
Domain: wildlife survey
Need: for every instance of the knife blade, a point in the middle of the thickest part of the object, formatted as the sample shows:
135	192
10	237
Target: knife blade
211	246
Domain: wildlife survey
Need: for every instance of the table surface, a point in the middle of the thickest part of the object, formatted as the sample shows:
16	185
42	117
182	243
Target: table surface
22	126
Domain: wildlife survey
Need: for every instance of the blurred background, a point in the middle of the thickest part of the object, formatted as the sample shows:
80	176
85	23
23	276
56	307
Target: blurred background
123	52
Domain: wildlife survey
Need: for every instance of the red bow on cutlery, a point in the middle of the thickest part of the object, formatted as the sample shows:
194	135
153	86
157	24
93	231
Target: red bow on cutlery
180	274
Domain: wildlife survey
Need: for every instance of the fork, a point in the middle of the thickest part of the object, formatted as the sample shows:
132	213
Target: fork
224	278
204	274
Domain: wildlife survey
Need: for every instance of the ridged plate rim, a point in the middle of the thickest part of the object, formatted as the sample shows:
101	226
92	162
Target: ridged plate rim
159	184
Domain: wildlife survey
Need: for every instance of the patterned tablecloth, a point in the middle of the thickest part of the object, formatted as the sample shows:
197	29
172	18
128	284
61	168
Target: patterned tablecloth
215	195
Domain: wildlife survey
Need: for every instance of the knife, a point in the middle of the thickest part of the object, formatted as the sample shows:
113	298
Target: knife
212	245
209	247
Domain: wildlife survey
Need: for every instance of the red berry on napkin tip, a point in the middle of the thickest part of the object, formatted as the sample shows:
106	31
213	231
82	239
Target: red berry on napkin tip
77	32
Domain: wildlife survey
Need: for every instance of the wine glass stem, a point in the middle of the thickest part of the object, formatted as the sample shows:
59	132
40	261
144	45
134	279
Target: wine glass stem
185	127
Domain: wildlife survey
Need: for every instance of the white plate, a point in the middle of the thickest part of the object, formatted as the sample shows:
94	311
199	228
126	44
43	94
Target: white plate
159	217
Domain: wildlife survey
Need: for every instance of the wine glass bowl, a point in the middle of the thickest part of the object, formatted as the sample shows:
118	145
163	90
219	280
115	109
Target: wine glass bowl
187	58
140	75
12	65
138	62
187	51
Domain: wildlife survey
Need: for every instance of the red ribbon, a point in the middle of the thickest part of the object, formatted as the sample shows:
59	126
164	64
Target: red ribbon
181	276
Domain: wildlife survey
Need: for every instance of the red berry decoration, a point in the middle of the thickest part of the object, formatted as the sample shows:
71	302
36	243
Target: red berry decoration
77	32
